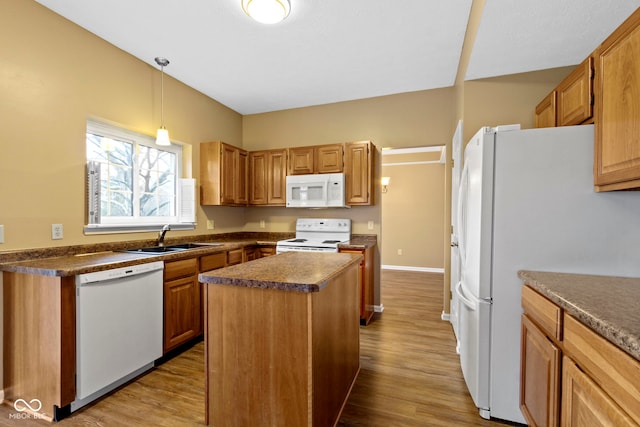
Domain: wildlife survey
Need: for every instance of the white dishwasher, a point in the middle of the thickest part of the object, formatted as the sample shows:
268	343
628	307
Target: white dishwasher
118	327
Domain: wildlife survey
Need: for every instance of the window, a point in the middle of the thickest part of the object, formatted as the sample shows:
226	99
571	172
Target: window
132	183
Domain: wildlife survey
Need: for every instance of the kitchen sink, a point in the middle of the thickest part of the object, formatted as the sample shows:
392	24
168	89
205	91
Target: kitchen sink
169	248
183	246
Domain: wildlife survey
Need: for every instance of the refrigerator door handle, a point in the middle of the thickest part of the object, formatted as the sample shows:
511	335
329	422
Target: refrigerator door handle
462	193
466	301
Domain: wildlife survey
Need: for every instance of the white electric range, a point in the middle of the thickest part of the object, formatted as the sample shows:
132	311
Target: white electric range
317	235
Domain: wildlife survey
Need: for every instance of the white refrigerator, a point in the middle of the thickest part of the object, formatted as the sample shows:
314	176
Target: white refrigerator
527	202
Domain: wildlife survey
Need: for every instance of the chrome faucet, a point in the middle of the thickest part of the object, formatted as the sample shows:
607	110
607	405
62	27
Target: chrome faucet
164	230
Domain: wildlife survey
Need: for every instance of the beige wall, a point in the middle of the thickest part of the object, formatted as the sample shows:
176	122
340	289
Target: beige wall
413	214
55	75
507	99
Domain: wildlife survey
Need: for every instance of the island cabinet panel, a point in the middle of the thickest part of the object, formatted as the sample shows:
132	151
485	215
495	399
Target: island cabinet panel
277	358
39	340
617	123
335	346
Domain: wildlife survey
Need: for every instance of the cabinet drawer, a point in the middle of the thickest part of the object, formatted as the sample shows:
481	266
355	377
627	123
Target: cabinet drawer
617	373
234	256
546	314
182	268
584	403
211	262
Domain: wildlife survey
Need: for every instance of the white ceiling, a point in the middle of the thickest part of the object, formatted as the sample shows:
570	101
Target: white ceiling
336	50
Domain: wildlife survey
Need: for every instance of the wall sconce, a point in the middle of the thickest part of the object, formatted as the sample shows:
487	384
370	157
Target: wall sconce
385	182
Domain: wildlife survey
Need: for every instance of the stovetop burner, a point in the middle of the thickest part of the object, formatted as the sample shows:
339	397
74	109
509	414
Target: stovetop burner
317	235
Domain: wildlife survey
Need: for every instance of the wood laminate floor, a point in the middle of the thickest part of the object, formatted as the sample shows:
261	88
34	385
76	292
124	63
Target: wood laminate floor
410	374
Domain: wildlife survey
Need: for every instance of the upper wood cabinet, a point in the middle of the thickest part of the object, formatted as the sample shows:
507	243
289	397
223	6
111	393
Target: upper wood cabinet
316	159
575	95
359	172
571	102
617	123
223	174
267	177
545	115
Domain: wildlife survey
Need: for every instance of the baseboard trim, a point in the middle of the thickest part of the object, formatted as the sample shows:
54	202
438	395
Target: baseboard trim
378	308
408	268
445	316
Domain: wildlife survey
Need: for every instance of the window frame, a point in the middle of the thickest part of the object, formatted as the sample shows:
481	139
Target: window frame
136	223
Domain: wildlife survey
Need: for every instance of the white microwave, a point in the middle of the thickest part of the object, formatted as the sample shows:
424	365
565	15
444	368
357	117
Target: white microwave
315	191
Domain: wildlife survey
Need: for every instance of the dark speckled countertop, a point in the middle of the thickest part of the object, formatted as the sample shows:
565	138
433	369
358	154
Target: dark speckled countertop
73	260
289	271
608	305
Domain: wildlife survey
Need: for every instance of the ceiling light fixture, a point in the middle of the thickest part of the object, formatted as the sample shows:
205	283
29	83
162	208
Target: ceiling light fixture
162	136
266	11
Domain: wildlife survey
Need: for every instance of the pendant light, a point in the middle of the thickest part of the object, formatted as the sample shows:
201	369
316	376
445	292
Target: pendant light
162	136
266	11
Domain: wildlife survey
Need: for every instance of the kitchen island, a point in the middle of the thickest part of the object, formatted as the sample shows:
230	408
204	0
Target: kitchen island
281	340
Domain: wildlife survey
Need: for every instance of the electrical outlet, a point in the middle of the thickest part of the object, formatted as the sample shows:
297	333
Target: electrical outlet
56	232
399	251
210	224
262	223
370	225
1	233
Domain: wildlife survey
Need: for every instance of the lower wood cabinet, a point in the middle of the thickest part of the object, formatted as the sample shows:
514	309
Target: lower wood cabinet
366	283
182	302
585	404
266	251
183	297
540	376
598	382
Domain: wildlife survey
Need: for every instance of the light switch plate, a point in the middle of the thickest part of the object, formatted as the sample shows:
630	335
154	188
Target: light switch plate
370	225
210	224
262	223
1	233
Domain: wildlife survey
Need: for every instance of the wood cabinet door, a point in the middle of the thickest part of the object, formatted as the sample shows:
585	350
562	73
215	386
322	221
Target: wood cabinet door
545	115
276	173
358	169
329	159
181	311
228	164
539	377
301	160
258	178
575	95
210	173
617	123
240	191
585	404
